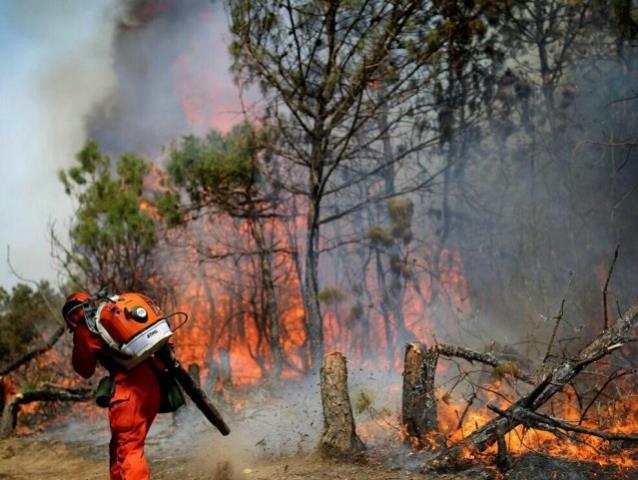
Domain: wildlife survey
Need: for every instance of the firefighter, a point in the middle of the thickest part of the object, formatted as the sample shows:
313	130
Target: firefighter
135	400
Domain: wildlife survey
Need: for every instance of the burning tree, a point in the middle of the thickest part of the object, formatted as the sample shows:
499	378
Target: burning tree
320	67
221	177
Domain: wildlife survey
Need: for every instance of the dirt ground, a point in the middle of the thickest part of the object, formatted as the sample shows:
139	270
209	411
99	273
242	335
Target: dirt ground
29	459
32	458
266	444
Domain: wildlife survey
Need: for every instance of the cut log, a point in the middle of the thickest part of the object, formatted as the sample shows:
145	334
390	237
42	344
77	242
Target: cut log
339	437
418	408
9	418
608	341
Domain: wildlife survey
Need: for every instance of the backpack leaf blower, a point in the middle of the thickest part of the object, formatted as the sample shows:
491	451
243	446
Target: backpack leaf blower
134	328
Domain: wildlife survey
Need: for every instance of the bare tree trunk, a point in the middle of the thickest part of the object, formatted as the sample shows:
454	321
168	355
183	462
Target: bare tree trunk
339	436
394	299
311	285
225	372
418	409
212	375
387	324
203	277
272	310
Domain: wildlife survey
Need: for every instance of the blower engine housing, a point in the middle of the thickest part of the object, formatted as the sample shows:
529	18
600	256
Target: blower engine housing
132	325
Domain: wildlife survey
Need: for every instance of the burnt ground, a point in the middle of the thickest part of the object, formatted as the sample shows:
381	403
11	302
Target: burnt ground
34	457
274	442
30	458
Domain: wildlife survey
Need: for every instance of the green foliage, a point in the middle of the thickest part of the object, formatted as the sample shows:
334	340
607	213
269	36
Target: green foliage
168	205
23	315
113	236
218	170
401	212
356	313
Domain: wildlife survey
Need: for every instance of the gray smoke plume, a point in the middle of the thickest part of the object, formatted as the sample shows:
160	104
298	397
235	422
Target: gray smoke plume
172	75
57	68
133	75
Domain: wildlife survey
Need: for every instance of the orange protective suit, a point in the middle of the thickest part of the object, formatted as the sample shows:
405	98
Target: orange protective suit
132	408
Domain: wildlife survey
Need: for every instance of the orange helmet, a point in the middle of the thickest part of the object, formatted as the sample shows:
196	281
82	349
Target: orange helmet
73	302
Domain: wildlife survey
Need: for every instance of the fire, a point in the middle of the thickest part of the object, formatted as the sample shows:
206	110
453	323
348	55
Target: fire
223	332
617	417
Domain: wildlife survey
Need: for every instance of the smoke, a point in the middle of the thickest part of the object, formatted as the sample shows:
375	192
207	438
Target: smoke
131	74
57	68
172	74
269	423
541	204
284	421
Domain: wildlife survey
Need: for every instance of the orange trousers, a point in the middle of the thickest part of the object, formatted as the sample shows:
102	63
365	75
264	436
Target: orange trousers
132	410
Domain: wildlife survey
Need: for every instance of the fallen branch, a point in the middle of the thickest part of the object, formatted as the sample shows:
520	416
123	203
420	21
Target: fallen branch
30	355
609	273
470	402
540	421
609	340
509	368
503	460
9	418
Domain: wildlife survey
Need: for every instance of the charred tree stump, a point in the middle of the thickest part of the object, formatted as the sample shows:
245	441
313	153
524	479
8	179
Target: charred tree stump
9	418
418	409
339	436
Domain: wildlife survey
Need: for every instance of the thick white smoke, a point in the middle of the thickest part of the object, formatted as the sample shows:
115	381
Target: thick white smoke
57	66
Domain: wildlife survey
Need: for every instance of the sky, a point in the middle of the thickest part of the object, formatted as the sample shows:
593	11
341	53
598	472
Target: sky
72	72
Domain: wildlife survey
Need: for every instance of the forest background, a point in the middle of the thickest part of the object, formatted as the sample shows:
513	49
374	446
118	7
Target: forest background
397	171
